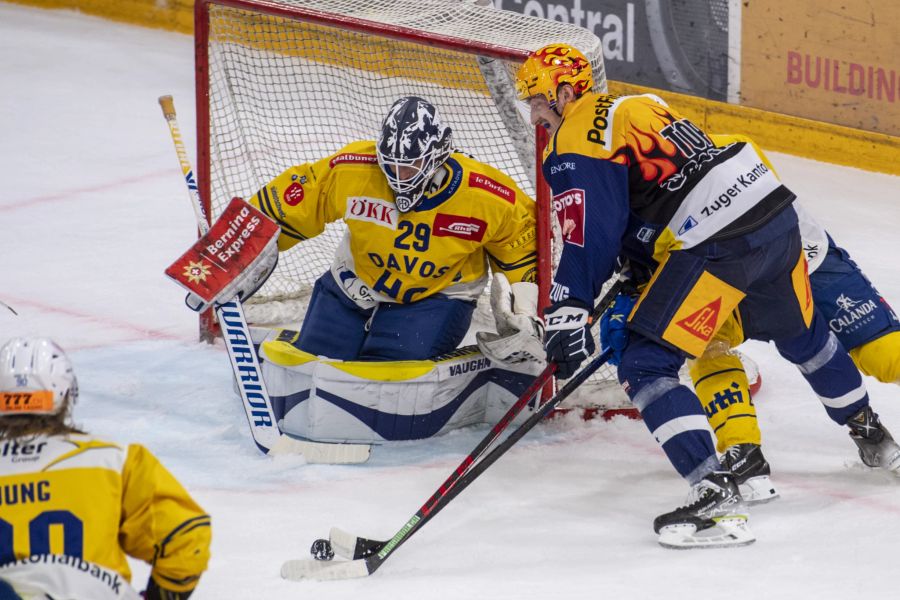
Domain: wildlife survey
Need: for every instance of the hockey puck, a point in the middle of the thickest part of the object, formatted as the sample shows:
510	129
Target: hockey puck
321	550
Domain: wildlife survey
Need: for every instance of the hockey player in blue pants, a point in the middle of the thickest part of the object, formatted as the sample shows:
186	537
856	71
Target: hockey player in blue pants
715	227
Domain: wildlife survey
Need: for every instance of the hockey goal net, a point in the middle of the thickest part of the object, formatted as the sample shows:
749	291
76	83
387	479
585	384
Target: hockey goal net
284	82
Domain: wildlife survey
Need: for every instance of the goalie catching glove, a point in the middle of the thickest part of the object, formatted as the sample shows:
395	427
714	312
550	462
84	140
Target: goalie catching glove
568	340
233	259
519	331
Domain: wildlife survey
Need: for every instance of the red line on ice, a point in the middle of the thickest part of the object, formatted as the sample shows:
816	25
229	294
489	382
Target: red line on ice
143	332
66	194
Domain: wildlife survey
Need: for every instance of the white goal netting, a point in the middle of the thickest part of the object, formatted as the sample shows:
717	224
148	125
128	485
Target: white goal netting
292	81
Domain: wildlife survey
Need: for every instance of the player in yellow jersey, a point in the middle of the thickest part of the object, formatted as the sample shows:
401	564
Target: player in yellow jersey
422	223
73	506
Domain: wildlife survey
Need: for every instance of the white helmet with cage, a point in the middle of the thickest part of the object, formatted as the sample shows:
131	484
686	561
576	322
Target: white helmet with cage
36	378
412	145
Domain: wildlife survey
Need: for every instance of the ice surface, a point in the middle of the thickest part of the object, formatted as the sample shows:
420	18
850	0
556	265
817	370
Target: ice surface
94	208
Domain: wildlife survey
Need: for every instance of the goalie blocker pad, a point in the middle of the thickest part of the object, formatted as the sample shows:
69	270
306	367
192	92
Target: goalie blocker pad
364	402
218	265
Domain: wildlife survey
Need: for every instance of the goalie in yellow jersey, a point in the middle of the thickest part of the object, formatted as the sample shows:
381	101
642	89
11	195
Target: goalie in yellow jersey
422	223
73	506
377	357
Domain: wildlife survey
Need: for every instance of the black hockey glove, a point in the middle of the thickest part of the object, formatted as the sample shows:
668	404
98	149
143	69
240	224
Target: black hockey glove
154	592
567	340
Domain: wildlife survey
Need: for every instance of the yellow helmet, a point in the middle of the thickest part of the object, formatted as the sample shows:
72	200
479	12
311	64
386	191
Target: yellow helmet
547	68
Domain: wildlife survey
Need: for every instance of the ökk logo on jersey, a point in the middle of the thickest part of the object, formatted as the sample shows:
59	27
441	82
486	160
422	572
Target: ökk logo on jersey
293	195
467	228
374	210
702	323
569	208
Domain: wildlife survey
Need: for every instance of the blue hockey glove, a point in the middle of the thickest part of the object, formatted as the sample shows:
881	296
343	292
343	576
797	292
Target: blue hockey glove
613	333
567	338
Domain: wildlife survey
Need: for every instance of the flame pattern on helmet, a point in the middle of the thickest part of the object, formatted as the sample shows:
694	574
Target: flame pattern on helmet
549	67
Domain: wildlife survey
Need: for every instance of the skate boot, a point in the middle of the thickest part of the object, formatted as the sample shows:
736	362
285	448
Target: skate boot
751	472
714	517
876	446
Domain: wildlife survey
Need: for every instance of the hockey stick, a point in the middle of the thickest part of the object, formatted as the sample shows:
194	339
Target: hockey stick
368	555
244	361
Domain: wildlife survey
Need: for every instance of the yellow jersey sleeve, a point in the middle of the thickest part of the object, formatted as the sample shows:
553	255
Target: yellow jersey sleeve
161	524
513	250
304	198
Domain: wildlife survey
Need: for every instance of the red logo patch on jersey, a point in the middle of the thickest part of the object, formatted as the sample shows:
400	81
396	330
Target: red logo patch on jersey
351	157
374	210
293	195
467	228
498	189
702	323
569	208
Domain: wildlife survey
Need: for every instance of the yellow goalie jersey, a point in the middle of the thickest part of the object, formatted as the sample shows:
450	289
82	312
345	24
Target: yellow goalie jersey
95	501
474	213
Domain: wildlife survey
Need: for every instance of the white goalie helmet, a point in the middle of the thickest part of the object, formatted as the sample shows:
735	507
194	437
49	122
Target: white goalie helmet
412	145
36	378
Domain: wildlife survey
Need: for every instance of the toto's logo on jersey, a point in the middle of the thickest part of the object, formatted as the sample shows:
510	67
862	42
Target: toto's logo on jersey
569	208
374	210
294	194
467	228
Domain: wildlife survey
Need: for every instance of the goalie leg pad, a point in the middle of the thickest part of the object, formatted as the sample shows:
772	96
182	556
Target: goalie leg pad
365	402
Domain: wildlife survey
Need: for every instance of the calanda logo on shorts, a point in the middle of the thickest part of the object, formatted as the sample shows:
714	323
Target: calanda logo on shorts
852	314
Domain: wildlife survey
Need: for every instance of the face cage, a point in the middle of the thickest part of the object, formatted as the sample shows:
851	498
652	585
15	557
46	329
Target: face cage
409	191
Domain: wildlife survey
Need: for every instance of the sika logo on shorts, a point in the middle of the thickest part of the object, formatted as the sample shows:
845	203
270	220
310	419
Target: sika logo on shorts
467	228
293	195
702	323
569	208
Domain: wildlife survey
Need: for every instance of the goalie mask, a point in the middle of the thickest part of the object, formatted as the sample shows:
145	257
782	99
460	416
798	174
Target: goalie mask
36	378
412	145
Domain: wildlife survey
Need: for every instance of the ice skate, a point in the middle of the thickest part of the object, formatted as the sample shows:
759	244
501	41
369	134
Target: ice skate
751	472
877	447
714	517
